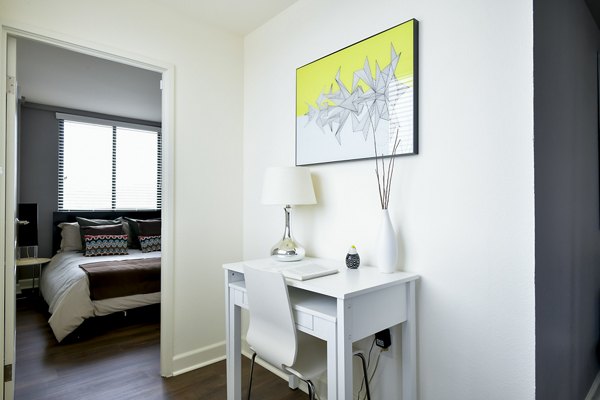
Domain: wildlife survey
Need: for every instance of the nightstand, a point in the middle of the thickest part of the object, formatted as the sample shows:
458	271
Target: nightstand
22	262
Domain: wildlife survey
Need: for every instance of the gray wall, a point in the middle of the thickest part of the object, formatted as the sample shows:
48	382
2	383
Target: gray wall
567	228
52	75
38	162
38	169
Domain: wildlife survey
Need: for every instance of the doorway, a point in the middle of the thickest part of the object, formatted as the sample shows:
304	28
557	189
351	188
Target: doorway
7	235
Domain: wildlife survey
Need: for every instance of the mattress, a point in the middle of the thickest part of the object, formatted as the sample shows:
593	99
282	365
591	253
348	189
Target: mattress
65	288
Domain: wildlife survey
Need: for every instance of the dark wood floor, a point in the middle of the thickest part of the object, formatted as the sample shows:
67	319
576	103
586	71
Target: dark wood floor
118	358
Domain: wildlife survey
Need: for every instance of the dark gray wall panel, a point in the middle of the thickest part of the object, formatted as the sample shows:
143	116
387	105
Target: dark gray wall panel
567	231
38	162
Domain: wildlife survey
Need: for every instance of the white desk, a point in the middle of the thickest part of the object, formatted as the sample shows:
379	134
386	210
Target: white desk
340	309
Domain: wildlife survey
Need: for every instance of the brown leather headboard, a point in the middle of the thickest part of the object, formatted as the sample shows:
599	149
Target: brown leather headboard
70	216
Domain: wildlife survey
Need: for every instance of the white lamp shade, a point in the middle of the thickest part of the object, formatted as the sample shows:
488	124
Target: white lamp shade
288	185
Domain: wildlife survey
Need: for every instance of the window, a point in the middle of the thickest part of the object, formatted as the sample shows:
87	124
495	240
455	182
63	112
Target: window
104	165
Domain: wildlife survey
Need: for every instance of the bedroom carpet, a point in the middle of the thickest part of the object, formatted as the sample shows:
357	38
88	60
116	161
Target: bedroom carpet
115	359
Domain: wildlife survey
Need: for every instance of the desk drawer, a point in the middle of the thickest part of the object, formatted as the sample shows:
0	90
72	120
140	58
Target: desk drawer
366	322
240	298
304	320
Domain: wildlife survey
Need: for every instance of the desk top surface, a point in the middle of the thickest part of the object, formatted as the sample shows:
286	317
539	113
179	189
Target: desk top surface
346	283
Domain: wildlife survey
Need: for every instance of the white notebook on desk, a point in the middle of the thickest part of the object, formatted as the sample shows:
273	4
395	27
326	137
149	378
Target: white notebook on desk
308	271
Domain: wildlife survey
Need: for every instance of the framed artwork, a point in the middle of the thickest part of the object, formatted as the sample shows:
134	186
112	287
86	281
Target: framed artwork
360	101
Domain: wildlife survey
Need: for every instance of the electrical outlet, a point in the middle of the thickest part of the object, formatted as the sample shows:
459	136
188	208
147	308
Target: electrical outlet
383	339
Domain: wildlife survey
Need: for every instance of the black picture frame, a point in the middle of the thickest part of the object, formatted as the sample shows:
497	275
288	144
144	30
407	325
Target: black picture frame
357	101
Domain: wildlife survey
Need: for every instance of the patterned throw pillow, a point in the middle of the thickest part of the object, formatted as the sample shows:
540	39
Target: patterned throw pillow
105	245
93	222
144	227
149	243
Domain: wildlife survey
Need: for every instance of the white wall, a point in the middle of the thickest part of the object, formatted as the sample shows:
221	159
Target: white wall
463	208
208	126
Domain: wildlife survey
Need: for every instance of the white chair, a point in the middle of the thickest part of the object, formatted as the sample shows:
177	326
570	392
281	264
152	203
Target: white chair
272	333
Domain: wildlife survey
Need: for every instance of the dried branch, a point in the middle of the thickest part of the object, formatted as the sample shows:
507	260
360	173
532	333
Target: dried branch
384	180
377	172
391	167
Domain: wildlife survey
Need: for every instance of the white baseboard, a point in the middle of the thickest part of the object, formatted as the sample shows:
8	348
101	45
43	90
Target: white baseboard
198	358
594	393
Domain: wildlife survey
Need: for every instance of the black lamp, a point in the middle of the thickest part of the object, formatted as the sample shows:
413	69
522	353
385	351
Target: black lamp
27	232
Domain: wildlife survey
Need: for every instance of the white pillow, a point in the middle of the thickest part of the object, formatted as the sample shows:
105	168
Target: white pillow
71	240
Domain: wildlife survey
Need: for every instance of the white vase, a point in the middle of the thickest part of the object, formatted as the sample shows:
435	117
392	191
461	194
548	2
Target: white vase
387	246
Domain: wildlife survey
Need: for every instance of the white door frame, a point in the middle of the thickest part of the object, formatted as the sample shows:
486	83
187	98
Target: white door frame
168	156
9	185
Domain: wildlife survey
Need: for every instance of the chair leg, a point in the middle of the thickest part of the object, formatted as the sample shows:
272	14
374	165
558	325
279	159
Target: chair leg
311	390
366	375
251	372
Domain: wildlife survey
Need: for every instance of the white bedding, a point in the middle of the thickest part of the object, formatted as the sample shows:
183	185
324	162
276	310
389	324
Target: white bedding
65	288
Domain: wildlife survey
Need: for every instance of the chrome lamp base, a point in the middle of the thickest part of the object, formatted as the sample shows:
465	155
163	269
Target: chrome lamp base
287	249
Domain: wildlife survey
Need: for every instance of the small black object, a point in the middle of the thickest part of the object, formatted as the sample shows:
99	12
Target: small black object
352	258
383	339
27	234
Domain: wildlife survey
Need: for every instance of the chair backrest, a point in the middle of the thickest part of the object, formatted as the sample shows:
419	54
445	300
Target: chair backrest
272	331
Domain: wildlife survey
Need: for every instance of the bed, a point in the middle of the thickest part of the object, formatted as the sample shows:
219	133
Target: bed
65	285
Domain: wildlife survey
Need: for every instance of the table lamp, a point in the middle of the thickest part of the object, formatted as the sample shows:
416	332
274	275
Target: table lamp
27	232
288	186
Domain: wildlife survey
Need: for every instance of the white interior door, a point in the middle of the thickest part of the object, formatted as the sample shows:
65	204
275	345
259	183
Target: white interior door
10	206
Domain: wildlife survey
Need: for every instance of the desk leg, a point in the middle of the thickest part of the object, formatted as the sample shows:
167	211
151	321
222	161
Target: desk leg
409	347
234	347
332	386
344	350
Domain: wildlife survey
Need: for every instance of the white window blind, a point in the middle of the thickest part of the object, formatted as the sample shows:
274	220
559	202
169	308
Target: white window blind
106	165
